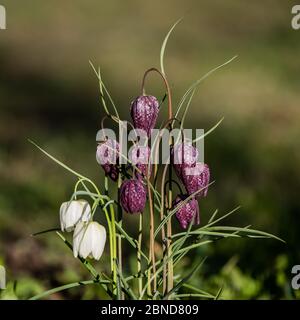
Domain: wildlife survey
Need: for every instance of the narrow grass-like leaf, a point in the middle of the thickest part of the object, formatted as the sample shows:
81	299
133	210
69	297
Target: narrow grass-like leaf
87	265
45	231
185	279
221	218
247	230
207	294
66	287
126	288
102	86
197	82
218	295
191	295
164	44
211	219
209	131
57	161
130	239
172	212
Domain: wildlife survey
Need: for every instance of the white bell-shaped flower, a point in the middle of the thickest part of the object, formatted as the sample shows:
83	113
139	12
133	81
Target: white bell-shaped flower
89	240
72	212
2	278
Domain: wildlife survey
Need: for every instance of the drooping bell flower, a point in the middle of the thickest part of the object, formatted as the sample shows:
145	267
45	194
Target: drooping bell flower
144	113
184	155
107	156
89	240
140	156
197	178
133	196
187	212
73	212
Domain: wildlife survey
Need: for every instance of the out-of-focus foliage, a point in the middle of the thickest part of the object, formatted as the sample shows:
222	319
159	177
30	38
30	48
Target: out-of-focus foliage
49	93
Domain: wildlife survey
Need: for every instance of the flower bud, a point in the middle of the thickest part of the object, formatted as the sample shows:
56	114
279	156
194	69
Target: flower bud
197	178
72	212
184	155
133	196
187	212
89	240
108	156
144	113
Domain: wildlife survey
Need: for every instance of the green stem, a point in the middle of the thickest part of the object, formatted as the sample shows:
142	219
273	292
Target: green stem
113	240
169	227
139	257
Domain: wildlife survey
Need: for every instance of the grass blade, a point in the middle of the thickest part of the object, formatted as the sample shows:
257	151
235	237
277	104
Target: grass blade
164	44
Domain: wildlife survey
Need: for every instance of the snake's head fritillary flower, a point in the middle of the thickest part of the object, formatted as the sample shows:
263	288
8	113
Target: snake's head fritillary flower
197	178
184	155
144	113
107	156
133	196
187	212
72	212
2	278
140	156
89	240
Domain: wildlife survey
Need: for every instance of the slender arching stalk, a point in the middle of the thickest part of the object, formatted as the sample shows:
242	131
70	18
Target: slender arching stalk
151	248
170	112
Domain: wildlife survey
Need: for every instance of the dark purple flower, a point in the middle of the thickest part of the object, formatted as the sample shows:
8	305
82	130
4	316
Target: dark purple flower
144	113
108	156
187	212
197	178
140	156
184	155
133	196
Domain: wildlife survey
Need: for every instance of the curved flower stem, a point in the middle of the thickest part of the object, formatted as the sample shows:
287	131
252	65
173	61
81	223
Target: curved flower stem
169	228
170	113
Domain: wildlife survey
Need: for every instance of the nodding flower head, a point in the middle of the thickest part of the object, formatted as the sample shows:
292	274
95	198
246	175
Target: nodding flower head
89	240
187	212
197	178
144	113
133	196
140	156
108	156
184	155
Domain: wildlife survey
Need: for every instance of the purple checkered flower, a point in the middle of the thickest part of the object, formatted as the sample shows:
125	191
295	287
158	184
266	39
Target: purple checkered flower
187	212
144	113
107	156
133	196
184	155
197	178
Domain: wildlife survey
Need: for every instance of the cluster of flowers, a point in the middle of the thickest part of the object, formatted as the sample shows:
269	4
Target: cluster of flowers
133	196
89	236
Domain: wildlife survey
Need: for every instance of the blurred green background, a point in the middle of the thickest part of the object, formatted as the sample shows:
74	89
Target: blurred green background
49	93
